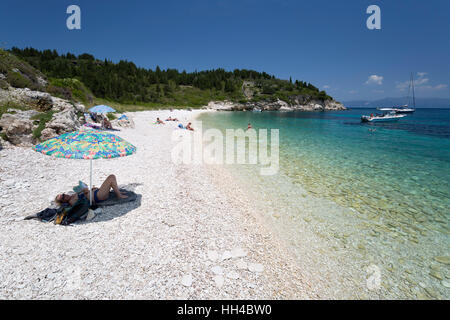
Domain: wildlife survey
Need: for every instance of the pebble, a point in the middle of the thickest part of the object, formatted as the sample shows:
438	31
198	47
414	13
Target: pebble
186	280
445	283
213	255
217	270
233	275
241	265
436	275
226	255
219	281
238	253
443	259
431	292
255	267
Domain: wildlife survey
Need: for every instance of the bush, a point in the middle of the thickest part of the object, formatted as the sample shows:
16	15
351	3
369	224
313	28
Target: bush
16	80
111	116
3	84
43	118
70	89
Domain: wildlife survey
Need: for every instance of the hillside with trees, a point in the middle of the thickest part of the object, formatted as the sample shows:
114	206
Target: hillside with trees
77	77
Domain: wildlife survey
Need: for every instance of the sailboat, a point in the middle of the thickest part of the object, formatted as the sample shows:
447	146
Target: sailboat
405	108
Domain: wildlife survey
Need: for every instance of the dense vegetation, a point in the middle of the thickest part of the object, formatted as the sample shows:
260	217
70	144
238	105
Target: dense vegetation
18	73
124	82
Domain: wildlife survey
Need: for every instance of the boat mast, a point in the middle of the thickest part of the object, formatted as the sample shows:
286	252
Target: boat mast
414	98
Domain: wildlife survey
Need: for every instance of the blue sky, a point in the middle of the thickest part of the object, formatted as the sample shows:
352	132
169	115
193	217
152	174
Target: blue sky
323	42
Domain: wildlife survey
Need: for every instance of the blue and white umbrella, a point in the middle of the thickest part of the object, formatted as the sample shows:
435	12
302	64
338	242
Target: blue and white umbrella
101	109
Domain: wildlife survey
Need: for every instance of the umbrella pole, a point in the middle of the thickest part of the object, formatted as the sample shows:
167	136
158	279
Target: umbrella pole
90	185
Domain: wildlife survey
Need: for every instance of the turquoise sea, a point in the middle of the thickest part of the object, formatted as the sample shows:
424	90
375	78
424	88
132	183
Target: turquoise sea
390	181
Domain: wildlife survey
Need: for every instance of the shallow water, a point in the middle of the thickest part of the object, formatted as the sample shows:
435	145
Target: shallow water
395	176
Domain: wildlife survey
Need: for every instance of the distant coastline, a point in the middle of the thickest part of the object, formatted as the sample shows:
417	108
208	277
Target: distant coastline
439	103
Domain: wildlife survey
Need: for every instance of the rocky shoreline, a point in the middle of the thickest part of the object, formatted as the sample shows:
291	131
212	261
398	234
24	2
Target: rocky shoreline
297	104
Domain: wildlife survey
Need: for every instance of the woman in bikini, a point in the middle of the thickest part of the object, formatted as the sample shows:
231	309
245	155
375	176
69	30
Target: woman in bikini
100	194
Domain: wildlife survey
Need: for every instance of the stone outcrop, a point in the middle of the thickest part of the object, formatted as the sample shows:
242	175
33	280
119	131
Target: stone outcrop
297	103
38	100
17	126
61	122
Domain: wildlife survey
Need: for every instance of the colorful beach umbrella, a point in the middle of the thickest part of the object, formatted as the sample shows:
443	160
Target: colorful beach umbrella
102	109
86	144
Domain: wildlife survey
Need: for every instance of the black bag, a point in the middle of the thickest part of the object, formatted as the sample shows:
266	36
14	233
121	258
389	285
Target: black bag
77	212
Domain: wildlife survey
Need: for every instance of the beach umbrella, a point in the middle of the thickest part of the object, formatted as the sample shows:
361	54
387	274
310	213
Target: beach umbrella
101	109
86	144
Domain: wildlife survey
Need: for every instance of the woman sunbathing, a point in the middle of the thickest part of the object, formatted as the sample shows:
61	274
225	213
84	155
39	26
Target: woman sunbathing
188	127
159	121
100	194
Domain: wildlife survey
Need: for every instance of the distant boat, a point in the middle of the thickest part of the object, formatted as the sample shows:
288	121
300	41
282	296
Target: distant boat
257	110
385	117
405	108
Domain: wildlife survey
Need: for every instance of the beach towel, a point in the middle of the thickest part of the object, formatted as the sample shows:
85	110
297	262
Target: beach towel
97	127
113	200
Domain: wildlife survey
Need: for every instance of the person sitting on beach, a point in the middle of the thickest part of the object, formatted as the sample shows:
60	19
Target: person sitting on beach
106	124
169	119
159	121
94	117
99	194
188	127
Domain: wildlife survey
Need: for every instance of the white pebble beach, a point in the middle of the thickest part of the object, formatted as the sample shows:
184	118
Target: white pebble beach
192	234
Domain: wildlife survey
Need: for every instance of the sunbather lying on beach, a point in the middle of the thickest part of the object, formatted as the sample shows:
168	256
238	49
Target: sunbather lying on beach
188	127
159	121
171	119
100	194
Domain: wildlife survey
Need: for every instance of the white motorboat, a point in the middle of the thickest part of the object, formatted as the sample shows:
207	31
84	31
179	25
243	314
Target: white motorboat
385	117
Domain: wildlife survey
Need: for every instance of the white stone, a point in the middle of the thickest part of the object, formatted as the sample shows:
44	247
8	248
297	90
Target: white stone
213	255
226	255
219	281
233	275
255	267
187	280
241	265
90	215
217	270
238	253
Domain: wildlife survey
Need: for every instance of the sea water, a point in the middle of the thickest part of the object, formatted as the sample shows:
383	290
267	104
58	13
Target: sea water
377	193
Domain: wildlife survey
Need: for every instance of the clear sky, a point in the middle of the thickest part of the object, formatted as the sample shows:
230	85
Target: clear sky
323	42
